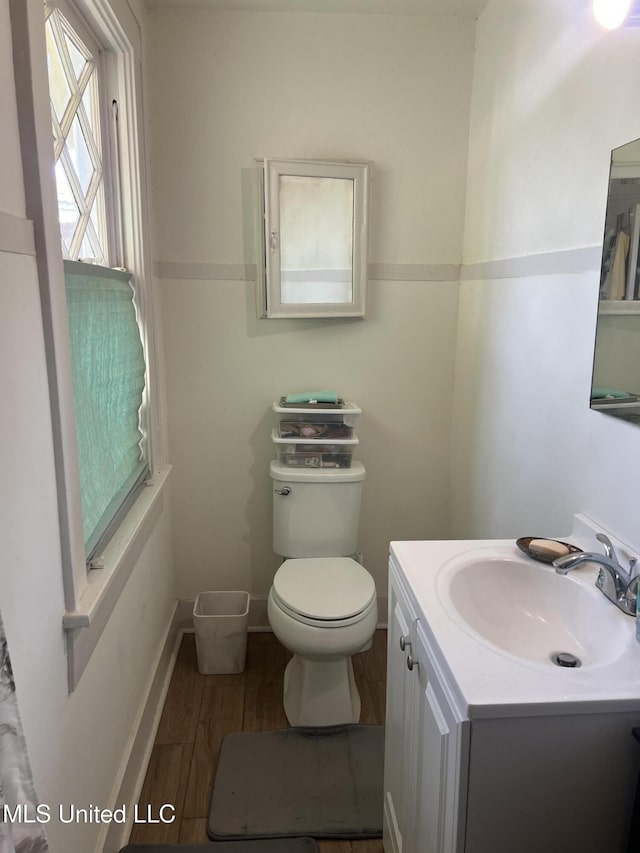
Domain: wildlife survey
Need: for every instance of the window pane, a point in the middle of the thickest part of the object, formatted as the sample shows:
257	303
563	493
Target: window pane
91	106
58	85
77	59
68	212
80	156
79	141
90	249
316	239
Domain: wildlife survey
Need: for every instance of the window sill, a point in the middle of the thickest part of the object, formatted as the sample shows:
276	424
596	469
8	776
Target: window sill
85	624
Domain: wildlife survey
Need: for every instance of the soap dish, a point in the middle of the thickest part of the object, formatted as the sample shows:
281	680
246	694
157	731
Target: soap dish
545	550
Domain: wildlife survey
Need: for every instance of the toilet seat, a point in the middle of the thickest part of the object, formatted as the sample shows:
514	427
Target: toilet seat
324	591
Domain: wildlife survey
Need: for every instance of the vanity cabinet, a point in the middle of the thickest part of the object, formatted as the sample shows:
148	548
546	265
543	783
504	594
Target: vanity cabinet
439	743
425	741
399	721
463	778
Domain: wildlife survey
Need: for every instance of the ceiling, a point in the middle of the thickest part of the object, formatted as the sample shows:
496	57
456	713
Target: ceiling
463	8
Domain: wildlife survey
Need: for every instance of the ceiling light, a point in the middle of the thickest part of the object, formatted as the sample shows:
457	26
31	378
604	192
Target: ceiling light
611	13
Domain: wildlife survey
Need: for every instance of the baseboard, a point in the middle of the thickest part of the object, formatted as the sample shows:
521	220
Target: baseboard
383	606
134	766
258	619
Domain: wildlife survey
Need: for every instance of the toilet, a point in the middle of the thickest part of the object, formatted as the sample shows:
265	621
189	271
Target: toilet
322	605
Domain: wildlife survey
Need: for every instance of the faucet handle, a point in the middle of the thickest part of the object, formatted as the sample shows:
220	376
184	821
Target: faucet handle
609	550
631	593
633	571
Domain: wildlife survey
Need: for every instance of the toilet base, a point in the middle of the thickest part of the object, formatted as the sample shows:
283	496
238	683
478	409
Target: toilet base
320	692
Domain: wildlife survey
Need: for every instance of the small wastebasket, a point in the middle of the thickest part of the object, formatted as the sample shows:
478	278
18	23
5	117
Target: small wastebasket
220	621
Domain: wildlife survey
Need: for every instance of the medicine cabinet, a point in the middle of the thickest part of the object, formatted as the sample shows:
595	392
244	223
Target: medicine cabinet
312	238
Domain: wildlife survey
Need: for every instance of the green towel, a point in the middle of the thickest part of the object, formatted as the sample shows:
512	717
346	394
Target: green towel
313	397
601	393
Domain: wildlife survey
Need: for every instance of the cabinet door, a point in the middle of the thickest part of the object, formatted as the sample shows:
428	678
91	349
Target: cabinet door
399	723
437	773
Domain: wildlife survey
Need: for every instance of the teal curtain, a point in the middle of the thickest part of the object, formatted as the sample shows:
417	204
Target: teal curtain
108	368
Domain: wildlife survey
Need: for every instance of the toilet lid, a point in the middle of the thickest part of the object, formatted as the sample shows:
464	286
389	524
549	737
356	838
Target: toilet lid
324	587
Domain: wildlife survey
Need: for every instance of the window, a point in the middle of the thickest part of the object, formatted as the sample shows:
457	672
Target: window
106	349
105	192
74	84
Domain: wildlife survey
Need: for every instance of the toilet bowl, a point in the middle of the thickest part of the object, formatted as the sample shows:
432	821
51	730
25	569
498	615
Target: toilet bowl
322	604
324	610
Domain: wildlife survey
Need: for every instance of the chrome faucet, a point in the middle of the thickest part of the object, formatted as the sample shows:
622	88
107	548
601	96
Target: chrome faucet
618	584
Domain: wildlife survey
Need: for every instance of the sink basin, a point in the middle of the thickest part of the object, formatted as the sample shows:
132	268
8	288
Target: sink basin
528	611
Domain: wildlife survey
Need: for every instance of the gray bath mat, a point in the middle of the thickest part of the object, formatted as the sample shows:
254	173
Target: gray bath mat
320	782
287	845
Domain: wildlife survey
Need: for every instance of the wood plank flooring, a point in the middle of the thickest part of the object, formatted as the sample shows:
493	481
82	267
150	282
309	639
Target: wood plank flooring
201	709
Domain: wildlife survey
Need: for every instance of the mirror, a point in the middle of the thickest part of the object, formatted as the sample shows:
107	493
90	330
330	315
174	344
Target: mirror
615	387
313	238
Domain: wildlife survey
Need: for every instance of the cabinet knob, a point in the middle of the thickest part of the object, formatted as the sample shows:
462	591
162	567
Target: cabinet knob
411	663
405	642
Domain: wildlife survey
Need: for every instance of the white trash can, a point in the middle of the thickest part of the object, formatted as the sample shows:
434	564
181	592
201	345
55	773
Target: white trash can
220	621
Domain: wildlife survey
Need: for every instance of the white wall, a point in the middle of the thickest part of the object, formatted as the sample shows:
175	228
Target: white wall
552	95
76	743
220	423
230	87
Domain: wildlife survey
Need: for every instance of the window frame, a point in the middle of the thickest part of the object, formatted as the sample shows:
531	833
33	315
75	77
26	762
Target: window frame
89	596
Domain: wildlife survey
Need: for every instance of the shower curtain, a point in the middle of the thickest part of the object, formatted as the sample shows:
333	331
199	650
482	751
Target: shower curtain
18	800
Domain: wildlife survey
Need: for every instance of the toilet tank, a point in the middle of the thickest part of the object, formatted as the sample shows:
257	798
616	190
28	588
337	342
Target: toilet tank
316	512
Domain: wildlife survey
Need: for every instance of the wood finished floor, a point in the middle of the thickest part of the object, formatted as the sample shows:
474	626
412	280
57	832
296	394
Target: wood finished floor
201	709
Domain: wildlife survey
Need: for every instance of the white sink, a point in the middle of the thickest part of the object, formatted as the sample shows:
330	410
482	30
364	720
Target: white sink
527	610
494	618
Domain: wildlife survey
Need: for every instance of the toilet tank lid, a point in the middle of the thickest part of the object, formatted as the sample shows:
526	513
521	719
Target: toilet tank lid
355	474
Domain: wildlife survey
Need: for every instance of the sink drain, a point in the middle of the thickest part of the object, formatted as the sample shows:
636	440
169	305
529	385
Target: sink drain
565	659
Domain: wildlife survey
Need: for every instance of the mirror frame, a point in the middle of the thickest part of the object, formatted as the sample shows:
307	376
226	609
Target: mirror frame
270	304
624	402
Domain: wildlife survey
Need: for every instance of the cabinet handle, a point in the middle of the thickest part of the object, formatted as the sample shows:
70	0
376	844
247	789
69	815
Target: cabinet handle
404	642
411	663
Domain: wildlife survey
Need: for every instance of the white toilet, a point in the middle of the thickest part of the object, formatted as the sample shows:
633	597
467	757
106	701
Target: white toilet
322	604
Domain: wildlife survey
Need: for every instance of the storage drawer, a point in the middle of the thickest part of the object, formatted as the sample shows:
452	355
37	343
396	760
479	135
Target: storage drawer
320	430
302	453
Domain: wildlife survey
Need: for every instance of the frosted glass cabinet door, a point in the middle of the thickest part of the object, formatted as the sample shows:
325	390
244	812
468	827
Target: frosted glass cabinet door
315	238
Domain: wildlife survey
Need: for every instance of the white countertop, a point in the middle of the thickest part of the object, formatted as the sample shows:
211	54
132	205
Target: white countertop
491	682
